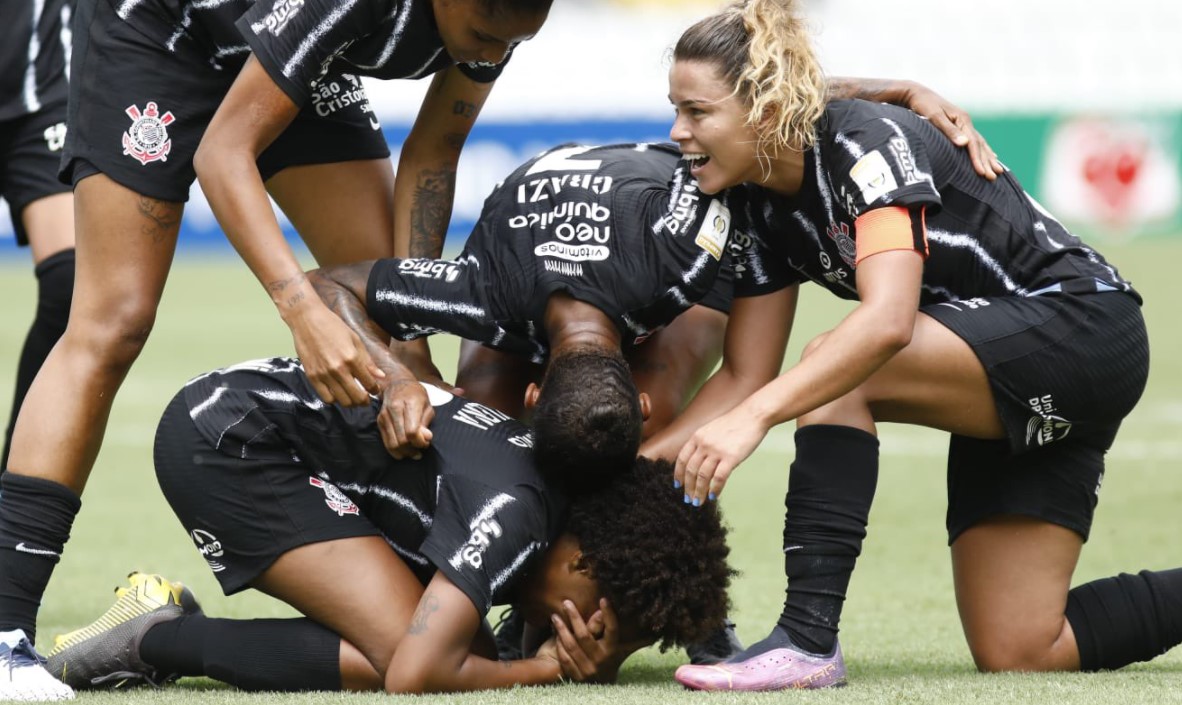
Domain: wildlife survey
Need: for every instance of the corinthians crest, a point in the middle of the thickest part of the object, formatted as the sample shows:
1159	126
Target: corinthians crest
147	139
336	500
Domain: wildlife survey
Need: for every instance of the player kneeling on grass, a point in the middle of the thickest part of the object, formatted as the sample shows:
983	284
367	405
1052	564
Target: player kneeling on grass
395	563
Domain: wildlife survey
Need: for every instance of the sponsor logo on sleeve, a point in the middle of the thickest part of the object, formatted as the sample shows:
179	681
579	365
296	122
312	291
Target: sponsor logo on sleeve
906	160
481	538
429	269
873	177
715	228
147	139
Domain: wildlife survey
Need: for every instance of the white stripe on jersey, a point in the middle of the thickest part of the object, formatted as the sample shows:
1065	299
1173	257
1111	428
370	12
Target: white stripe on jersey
213	399
389	495
30	91
851	146
806	224
960	241
66	37
401	15
823	184
502	577
187	19
314	36
124	10
406	553
419	303
284	396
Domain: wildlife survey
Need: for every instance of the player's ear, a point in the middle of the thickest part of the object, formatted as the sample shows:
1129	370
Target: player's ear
646	406
531	396
577	564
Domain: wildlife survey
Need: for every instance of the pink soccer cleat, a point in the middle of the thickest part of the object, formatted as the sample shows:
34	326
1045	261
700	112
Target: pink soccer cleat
777	669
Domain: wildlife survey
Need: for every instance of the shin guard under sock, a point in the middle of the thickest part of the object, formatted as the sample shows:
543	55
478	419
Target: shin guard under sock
251	654
35	520
1127	618
830	489
55	288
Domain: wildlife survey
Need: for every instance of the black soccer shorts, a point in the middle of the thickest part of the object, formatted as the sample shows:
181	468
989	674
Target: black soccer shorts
242	515
30	150
138	112
1064	370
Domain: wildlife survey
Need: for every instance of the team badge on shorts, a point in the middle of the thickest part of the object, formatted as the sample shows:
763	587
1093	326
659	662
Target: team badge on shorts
334	498
147	139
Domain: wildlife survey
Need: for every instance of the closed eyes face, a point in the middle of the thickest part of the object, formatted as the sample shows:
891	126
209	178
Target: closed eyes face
711	127
473	34
559	577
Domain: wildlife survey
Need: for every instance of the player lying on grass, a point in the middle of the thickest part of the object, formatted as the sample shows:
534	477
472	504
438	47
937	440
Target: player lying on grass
395	563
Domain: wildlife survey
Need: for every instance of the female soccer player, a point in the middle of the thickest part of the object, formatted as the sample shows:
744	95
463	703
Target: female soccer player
978	314
33	86
34	46
252	96
397	562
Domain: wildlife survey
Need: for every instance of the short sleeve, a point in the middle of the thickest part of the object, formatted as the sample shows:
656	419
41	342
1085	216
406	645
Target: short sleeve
484	539
296	40
410	298
880	162
485	72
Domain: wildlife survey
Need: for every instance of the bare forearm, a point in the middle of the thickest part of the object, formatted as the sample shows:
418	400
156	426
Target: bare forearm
880	90
236	194
845	359
424	196
721	393
342	300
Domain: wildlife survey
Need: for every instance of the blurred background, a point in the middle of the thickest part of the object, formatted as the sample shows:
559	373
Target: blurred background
1084	106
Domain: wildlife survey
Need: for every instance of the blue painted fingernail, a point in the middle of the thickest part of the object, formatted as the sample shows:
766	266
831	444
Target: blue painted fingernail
685	499
677	484
697	502
711	496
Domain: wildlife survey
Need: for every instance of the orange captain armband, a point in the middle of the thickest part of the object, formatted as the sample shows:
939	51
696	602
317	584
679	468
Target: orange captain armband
890	228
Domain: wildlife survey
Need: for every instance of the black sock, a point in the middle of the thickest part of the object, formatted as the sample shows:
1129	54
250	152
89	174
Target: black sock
35	520
55	288
830	490
1127	618
251	654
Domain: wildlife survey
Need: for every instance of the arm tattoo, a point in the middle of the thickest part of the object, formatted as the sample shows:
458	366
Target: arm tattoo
431	212
418	623
278	286
463	108
861	88
336	287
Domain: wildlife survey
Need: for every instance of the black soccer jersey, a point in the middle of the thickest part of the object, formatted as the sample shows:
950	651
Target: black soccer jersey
297	41
622	227
34	54
985	238
474	506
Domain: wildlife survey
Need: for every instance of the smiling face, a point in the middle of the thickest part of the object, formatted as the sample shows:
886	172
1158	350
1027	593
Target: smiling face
472	33
711	127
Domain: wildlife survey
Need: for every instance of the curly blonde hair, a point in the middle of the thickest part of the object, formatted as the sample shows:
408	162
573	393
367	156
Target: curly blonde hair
762	48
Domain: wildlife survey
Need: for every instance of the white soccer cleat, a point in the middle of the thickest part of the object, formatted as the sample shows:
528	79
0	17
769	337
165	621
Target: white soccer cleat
23	677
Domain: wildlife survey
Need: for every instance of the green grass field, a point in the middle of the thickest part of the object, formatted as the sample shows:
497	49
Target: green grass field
900	633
